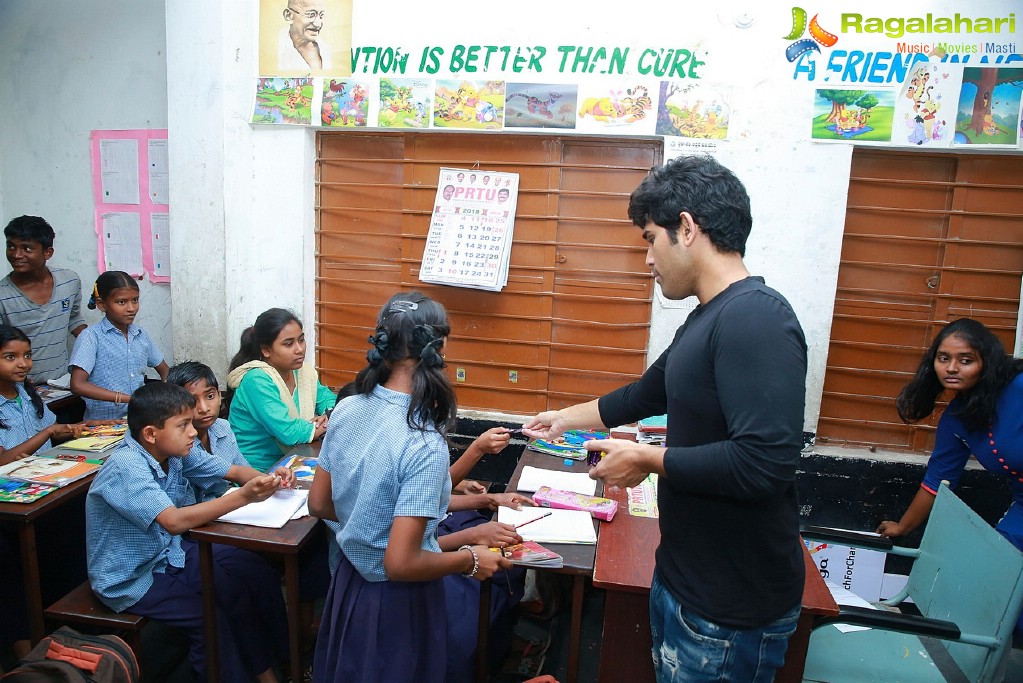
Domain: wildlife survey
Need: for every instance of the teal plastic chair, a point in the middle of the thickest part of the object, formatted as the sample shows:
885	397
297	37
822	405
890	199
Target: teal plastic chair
967	582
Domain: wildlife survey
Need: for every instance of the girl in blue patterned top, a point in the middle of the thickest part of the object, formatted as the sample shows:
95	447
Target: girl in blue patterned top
383	474
25	427
110	358
25	424
984	418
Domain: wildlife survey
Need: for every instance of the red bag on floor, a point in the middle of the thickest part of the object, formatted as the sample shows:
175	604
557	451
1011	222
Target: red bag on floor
67	655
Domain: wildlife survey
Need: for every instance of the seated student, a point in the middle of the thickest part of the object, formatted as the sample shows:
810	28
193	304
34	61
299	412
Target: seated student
278	401
43	302
213	434
26	426
137	509
110	358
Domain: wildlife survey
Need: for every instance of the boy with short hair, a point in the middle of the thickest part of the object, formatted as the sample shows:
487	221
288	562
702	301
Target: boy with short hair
137	509
213	434
43	302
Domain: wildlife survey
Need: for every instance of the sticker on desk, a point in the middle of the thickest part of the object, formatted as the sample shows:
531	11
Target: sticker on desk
643	498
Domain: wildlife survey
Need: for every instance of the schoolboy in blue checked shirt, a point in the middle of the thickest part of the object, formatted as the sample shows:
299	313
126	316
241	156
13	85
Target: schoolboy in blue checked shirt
141	503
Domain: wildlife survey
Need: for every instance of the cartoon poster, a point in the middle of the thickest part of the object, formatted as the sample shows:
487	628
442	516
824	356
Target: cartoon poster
475	105
627	107
540	105
693	110
405	102
283	100
923	115
843	114
345	103
989	107
305	38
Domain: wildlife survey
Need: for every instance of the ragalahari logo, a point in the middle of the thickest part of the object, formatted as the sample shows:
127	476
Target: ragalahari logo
804	45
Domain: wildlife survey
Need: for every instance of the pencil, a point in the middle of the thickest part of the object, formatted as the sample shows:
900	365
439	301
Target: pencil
507	578
530	521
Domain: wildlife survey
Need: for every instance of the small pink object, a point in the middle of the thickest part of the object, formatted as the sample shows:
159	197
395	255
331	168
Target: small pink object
601	508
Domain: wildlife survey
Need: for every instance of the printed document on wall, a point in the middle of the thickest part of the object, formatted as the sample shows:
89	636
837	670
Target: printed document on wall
122	242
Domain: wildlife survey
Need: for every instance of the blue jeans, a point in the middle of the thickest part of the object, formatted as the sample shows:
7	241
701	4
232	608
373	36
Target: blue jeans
687	647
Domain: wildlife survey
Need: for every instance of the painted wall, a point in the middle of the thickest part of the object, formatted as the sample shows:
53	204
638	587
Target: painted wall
68	68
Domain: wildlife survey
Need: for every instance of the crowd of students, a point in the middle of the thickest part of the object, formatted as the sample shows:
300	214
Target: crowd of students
383	485
402	592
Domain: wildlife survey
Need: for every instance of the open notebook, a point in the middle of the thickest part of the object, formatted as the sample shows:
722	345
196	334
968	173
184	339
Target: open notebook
560	526
274	512
533	478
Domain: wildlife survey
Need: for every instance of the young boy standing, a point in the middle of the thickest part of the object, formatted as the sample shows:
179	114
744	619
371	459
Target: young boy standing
137	509
43	302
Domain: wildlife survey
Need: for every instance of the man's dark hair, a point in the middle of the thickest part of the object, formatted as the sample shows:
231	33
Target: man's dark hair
32	229
154	403
190	371
705	189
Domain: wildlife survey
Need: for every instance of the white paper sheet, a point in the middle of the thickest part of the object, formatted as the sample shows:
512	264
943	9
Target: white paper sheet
122	242
159	178
560	526
274	512
159	229
534	477
119	164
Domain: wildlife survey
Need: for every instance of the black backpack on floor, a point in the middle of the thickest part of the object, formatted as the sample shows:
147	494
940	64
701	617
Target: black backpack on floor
67	655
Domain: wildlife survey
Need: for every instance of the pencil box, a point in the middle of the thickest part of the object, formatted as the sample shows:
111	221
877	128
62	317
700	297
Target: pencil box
601	508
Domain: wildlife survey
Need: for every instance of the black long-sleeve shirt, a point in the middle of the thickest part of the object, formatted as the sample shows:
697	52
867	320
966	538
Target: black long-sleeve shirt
732	383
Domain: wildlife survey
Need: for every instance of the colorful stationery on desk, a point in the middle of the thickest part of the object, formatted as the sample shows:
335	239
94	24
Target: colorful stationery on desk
532	554
550	526
273	513
47	470
302	467
568	445
643	498
601	508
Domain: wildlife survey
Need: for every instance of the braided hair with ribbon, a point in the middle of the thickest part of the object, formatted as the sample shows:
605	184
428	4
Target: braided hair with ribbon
412	326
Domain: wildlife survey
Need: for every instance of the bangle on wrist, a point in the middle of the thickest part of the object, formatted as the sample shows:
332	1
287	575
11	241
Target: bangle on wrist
475	561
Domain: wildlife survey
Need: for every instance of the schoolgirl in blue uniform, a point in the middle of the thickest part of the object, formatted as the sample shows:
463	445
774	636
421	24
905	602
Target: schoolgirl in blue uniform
26	426
383	474
985	419
110	358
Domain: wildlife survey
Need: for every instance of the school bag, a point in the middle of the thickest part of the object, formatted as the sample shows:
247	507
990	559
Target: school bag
67	655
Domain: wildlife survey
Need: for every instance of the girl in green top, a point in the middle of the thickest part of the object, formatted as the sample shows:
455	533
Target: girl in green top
278	401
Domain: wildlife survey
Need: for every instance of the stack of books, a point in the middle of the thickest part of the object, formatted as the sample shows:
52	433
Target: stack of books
31	478
532	554
98	438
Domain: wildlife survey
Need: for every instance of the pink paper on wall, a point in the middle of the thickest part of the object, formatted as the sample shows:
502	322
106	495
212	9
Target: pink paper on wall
129	178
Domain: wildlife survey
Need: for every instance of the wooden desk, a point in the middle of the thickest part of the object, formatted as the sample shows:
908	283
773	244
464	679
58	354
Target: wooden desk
286	542
578	558
24	516
625	568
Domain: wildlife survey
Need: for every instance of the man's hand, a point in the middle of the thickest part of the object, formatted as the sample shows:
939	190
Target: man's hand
547	425
625	463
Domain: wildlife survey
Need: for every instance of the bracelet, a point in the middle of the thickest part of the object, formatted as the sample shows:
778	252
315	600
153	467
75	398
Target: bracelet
475	561
117	398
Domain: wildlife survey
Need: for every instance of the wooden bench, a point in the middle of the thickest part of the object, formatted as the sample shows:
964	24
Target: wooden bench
82	607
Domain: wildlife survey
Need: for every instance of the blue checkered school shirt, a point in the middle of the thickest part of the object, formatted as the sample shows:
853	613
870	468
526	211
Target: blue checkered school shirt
124	543
115	363
22	424
225	448
380	469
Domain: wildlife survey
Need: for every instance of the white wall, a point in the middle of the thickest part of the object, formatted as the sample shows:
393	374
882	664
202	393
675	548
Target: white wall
68	67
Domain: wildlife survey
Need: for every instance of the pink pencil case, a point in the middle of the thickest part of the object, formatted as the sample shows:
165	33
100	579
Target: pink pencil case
601	508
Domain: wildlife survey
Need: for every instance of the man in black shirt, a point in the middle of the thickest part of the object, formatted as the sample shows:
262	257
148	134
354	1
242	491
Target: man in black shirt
729	573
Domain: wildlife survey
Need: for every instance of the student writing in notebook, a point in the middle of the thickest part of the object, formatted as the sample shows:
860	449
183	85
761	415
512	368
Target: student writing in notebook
383	474
137	510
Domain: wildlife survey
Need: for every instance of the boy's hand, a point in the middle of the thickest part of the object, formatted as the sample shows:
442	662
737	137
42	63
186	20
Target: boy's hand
494	535
489	563
493	440
509	500
286	475
260	488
